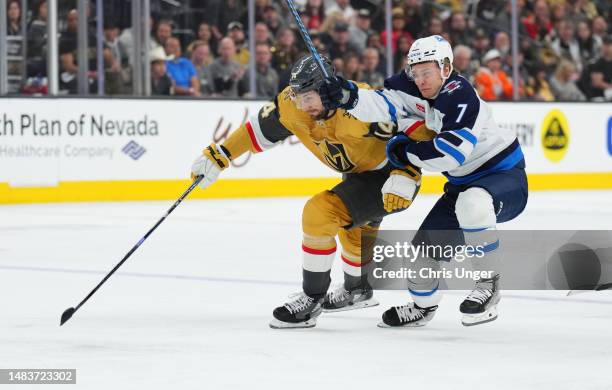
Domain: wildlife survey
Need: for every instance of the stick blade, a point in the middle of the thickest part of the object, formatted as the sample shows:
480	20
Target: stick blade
66	315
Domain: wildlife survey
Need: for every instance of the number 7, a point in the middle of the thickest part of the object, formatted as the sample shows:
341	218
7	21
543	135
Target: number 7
462	107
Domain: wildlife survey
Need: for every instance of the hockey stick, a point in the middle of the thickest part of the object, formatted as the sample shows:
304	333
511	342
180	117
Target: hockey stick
306	37
68	313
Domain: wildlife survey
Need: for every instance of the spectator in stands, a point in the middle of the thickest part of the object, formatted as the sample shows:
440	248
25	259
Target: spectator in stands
340	44
458	30
398	24
273	20
338	64
266	78
262	34
317	41
565	44
538	24
163	31
351	66
316	14
403	46
201	60
563	85
463	63
260	9
358	34
161	83
480	46
205	35
225	72
68	56
235	30
502	43
588	43
503	17
13	25
583	10
435	27
181	70
285	53
596	81
413	17
370	73
538	87
599	26
37	41
344	7
115	58
558	12
491	81
229	11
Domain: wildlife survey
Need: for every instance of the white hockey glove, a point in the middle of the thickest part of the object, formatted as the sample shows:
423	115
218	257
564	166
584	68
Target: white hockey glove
400	189
213	160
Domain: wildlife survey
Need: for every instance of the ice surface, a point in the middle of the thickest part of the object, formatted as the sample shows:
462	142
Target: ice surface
190	309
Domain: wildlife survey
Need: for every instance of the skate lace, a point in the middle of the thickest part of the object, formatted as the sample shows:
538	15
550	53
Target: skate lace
482	292
338	294
408	313
299	304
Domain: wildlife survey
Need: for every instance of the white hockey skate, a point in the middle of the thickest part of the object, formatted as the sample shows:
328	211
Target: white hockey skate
301	312
481	305
340	299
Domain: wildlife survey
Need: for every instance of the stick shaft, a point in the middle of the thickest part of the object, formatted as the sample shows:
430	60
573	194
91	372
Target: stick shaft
127	256
306	37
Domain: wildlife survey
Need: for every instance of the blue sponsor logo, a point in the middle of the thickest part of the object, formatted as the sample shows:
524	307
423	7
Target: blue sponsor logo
133	150
610	136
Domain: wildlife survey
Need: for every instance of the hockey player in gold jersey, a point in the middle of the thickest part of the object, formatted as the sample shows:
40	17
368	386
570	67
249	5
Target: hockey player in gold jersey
370	188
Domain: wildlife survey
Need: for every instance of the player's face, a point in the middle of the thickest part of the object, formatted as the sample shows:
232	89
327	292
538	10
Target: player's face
427	77
310	102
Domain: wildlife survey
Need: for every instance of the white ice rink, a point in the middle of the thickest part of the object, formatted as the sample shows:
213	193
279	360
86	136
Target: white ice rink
190	309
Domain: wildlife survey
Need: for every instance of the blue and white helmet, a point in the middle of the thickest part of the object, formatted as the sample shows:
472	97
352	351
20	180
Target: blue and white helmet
431	48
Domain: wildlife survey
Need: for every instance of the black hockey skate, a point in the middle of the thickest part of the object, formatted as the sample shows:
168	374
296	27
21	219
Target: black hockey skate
481	305
301	312
340	299
409	315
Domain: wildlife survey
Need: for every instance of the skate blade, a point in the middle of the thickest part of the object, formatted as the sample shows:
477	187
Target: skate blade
417	324
480	318
276	324
359	305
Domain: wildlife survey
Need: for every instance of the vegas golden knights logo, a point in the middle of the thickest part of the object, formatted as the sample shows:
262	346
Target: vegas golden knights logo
336	156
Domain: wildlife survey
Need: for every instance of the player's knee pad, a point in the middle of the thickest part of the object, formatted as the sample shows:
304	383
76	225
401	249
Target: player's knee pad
474	209
351	240
324	214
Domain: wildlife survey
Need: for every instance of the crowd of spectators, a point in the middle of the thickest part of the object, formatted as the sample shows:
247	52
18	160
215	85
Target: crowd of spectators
200	47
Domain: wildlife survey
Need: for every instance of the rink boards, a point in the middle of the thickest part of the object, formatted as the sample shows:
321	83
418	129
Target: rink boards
127	149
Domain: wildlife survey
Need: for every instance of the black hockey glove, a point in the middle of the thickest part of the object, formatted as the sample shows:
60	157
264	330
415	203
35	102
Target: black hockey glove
397	149
337	92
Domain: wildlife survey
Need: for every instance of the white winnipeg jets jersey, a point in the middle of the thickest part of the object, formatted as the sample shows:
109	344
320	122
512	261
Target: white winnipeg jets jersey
469	144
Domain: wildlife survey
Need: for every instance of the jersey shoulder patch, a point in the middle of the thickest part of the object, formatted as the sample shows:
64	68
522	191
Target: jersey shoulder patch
269	119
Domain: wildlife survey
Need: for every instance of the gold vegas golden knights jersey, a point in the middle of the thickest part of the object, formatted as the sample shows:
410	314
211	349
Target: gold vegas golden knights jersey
341	142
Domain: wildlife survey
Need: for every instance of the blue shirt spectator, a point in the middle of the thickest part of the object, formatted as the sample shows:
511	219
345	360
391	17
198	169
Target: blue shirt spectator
181	70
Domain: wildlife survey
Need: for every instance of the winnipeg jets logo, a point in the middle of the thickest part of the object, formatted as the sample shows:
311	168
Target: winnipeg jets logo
450	87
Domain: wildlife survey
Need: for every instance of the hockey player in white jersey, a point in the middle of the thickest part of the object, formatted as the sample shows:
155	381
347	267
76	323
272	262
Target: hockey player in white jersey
483	163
